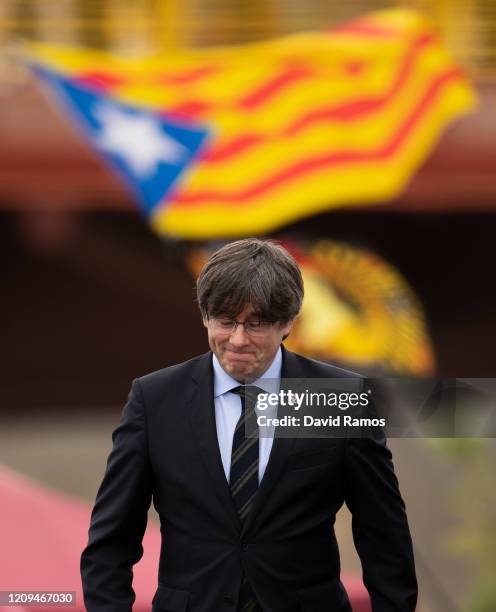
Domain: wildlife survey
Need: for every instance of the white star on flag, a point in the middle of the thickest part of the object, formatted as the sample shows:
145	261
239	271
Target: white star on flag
137	139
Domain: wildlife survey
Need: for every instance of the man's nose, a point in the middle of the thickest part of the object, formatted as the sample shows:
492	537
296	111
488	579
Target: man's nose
239	336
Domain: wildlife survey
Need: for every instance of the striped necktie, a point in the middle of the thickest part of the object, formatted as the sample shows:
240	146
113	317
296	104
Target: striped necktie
243	479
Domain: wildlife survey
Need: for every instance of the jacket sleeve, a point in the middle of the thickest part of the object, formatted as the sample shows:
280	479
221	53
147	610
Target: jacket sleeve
119	517
380	527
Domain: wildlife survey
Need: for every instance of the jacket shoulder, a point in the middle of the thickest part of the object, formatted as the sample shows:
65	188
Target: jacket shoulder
172	375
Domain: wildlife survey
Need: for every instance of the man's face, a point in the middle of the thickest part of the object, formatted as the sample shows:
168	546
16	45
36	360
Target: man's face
244	356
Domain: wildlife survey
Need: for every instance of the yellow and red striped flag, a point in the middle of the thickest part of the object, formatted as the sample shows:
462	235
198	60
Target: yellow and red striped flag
232	141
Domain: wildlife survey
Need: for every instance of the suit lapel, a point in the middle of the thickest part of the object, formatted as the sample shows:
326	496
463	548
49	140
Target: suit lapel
205	434
281	448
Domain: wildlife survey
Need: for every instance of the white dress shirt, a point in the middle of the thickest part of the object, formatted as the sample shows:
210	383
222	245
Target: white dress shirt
228	411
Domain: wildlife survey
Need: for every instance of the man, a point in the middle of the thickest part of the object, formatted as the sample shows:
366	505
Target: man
247	523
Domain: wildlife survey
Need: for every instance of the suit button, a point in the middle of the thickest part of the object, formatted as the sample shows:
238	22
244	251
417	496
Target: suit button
228	600
244	546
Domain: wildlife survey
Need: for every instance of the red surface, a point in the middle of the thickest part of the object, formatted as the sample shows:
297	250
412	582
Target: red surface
42	534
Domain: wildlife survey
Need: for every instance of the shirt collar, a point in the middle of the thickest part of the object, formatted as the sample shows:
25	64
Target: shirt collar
223	382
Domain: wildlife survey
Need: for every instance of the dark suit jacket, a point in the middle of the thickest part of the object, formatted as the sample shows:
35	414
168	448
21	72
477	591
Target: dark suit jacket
166	448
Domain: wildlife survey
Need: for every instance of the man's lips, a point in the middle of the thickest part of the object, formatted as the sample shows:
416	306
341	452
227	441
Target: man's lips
235	356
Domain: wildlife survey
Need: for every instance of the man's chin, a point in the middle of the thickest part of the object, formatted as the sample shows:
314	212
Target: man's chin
240	372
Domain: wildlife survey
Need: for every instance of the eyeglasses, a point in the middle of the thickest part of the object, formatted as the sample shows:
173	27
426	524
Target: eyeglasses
252	328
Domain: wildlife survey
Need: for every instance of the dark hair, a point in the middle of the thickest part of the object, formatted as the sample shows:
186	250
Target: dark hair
252	272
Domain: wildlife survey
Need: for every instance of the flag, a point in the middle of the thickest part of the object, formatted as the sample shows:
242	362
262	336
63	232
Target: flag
240	140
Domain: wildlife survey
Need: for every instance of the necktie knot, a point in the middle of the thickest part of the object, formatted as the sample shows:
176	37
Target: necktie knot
248	393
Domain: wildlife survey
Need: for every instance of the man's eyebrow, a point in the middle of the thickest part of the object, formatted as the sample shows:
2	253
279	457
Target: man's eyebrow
250	319
254	316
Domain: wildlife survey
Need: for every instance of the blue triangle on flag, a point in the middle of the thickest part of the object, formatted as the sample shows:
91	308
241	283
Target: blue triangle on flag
149	151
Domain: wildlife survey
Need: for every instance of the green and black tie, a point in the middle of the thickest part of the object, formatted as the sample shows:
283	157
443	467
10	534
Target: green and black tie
243	478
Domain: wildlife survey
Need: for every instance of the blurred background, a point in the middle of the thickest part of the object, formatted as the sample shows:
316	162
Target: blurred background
94	297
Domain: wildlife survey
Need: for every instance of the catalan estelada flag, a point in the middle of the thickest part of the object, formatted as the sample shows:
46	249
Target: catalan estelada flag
231	141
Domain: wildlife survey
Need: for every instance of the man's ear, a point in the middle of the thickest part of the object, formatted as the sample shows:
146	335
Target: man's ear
205	321
286	328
